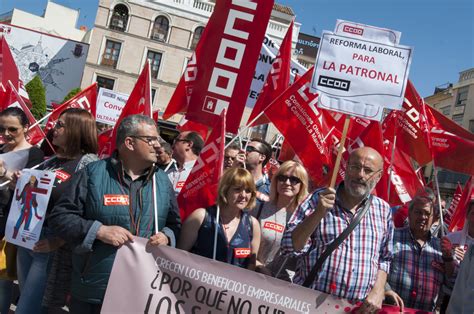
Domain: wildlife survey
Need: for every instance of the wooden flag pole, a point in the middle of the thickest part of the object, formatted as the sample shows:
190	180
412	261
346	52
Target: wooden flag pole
339	151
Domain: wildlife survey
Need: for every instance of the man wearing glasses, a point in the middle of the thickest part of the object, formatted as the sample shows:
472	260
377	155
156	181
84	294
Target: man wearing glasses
258	154
186	149
357	269
110	202
421	262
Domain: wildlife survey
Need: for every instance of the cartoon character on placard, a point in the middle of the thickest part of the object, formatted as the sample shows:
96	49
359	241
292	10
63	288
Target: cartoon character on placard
28	203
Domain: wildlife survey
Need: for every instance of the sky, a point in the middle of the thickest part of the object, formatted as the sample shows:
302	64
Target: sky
440	31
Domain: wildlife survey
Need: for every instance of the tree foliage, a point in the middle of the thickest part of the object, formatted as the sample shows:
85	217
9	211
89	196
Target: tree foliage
37	94
73	92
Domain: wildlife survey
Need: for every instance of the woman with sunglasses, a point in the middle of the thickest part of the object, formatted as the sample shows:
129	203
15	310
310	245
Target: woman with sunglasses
75	141
288	189
13	128
238	236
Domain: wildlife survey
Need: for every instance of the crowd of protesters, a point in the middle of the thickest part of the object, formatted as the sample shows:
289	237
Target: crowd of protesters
341	241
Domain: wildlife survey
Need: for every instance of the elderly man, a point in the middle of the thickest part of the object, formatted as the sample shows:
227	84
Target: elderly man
357	269
419	263
230	155
110	202
164	155
186	149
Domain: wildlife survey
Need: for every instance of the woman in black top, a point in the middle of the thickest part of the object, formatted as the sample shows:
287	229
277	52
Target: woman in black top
13	128
75	139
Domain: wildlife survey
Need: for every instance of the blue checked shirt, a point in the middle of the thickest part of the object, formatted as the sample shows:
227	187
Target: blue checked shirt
417	272
351	270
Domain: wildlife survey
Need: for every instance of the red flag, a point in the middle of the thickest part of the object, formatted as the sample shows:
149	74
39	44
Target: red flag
459	216
223	81
286	152
180	99
452	145
34	134
410	126
9	72
200	189
278	79
303	125
185	125
139	102
86	99
454	204
404	182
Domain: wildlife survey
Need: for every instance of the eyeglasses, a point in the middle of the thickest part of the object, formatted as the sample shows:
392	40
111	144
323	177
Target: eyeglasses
59	124
418	212
150	140
293	180
176	140
250	149
354	169
11	130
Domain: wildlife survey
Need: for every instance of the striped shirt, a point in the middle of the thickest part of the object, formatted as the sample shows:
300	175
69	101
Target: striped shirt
416	273
351	270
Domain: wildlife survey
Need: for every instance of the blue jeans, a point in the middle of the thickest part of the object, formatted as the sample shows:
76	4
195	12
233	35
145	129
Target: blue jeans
6	291
32	276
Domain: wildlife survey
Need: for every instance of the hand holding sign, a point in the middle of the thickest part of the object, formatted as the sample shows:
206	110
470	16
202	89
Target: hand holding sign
114	235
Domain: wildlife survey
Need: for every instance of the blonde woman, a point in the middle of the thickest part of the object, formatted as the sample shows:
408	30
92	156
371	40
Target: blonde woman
288	189
238	233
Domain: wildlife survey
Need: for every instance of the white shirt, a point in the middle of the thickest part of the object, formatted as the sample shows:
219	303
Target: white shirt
178	176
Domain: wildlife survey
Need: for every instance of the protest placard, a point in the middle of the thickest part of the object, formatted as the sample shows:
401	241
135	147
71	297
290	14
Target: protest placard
360	70
150	279
109	105
28	209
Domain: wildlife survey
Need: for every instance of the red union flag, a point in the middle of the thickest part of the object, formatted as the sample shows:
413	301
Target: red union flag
223	82
452	145
459	216
454	203
86	99
139	102
303	125
410	126
278	79
200	189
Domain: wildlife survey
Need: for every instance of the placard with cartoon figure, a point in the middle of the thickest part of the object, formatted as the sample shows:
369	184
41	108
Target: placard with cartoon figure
28	209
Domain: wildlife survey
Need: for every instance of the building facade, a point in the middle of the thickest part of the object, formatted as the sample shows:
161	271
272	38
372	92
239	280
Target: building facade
57	20
127	33
455	101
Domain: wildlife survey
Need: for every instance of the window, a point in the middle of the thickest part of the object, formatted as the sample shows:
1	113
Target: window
471	126
111	53
119	18
153	93
105	82
160	28
462	96
446	110
154	58
259	131
197	35
458	118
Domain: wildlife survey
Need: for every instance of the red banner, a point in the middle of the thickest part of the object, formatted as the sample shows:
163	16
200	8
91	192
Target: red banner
139	102
223	81
303	125
459	216
454	204
86	99
278	79
200	189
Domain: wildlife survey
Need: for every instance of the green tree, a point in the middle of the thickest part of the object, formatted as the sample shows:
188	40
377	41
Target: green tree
73	92
37	94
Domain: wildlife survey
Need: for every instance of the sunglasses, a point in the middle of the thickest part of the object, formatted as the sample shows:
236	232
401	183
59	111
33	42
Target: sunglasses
293	180
9	129
59	124
176	140
250	149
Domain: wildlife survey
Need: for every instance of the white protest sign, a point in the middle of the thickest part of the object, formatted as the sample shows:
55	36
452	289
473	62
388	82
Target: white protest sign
360	75
267	56
109	105
28	209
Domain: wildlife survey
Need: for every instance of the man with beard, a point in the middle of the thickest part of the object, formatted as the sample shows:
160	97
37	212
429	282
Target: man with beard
357	270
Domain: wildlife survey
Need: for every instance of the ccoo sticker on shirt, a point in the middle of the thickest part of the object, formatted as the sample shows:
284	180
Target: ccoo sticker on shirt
115	199
242	252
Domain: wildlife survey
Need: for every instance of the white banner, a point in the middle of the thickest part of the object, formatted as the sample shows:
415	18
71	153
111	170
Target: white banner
109	105
360	70
28	209
267	56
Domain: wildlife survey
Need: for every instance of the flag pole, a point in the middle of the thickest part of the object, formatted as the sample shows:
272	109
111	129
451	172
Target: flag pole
391	168
245	128
438	196
214	250
32	168
339	151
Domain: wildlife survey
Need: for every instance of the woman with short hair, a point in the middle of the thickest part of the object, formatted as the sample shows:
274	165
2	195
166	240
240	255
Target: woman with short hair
238	233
